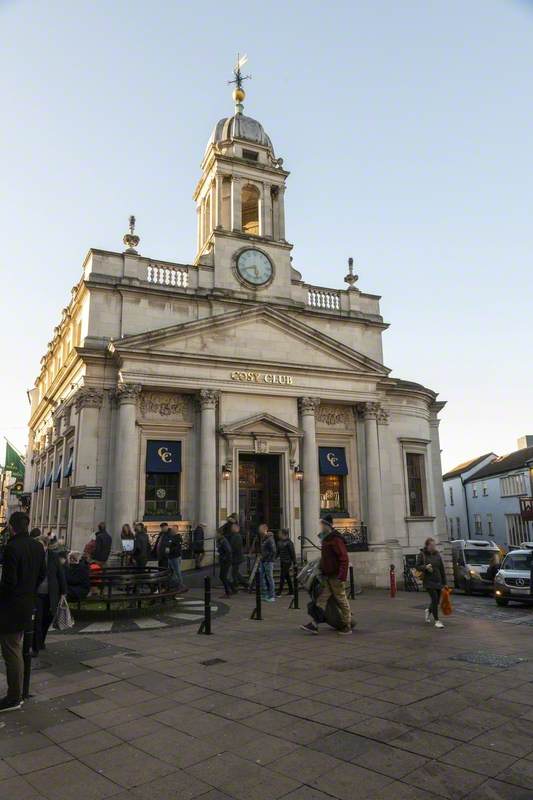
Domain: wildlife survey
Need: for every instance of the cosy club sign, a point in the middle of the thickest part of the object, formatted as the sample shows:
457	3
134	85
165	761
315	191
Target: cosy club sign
262	377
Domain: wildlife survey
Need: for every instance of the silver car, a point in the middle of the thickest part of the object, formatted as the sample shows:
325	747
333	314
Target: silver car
513	580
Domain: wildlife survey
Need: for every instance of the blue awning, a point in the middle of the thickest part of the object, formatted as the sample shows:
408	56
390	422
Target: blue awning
36	486
68	470
332	461
57	476
163	456
41	483
49	479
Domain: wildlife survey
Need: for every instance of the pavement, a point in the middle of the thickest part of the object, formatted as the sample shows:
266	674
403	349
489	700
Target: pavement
261	711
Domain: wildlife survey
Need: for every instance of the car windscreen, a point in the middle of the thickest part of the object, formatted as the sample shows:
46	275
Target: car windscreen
478	557
521	561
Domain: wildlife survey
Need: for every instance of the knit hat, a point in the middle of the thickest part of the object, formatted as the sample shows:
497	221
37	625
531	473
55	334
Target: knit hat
327	519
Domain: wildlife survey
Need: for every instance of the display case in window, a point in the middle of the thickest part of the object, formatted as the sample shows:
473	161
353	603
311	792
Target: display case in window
332	495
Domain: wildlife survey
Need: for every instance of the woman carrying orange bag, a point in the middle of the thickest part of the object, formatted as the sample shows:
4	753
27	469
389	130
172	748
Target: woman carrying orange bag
431	566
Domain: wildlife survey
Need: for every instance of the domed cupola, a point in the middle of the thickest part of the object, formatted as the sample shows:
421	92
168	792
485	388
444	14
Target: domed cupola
240	127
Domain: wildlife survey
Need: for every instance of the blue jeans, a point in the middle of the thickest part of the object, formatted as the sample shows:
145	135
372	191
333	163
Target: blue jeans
267	579
175	566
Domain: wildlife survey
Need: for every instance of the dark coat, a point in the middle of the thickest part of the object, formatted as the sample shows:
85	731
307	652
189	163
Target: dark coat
286	552
78	581
436	577
224	551
57	582
334	561
268	549
235	541
141	550
102	549
198	538
23	569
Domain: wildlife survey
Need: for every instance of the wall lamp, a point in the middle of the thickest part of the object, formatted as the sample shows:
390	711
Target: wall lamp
298	473
226	472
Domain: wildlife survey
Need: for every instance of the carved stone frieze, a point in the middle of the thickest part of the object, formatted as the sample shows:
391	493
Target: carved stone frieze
333	415
164	404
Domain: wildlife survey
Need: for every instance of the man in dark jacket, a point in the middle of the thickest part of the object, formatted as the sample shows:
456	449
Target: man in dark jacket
103	544
141	548
224	561
268	556
23	569
50	591
78	577
287	560
334	563
235	541
198	544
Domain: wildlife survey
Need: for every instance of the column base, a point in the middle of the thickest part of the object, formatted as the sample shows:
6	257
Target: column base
372	567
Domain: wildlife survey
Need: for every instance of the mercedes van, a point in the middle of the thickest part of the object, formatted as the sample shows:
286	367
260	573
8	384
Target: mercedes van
471	557
513	581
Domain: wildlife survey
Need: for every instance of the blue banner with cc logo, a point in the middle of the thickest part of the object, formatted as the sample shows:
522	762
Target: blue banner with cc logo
332	461
163	456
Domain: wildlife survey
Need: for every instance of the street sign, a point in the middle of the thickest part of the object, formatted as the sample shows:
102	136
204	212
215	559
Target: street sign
86	492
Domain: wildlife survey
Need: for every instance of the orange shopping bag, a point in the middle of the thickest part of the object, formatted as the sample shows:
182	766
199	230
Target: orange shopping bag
445	602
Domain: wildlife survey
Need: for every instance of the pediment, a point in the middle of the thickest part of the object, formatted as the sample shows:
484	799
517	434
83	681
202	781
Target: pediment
262	425
256	335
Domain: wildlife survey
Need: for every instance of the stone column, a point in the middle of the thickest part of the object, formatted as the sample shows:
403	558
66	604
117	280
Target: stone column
281	213
218	200
310	483
236	213
88	403
441	529
267	210
207	510
387	504
376	533
126	488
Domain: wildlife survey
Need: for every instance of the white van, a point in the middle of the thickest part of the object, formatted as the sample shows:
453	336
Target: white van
471	557
513	581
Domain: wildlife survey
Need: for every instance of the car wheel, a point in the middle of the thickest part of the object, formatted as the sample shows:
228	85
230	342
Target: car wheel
501	601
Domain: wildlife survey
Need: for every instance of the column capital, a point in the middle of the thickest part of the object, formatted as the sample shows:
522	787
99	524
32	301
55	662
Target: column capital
89	397
308	405
127	393
369	410
208	398
383	416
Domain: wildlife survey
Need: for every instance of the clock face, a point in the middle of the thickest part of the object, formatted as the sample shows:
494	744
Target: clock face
254	267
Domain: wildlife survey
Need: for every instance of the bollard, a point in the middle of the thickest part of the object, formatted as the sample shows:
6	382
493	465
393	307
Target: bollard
392	579
295	602
256	613
205	625
352	583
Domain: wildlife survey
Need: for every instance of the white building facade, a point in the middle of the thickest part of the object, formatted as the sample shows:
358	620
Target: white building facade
191	391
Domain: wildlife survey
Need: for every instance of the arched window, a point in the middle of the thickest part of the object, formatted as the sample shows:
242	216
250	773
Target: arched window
250	210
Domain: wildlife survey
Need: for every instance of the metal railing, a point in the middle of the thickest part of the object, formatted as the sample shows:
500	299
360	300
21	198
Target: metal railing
355	537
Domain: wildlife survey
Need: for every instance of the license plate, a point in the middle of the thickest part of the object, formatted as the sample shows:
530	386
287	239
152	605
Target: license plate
523	591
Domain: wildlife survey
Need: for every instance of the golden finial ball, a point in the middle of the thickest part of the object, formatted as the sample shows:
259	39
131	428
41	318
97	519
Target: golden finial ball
239	95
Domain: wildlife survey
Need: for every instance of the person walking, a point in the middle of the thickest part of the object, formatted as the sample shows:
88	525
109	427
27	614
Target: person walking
266	564
224	562
493	568
162	546
198	544
237	557
23	570
287	560
175	549
430	564
334	564
127	540
141	548
77	577
102	547
50	591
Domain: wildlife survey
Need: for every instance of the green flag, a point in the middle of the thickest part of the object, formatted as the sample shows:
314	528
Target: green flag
14	461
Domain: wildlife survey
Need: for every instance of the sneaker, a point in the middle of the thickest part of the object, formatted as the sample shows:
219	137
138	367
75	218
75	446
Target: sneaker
270	600
439	624
428	615
310	628
344	632
10	705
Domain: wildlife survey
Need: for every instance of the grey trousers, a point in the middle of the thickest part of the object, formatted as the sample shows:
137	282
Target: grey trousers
11	645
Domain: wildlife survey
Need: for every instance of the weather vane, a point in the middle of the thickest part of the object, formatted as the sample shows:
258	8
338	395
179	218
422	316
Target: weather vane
238	93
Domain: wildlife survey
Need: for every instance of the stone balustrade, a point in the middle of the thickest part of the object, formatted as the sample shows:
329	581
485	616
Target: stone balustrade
328	299
167	276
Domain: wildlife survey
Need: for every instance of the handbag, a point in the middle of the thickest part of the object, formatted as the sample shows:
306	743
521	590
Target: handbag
419	573
63	619
445	602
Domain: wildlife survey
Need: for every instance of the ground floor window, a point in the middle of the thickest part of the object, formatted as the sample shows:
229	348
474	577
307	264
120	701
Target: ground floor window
333	469
415	483
517	529
478	527
162	485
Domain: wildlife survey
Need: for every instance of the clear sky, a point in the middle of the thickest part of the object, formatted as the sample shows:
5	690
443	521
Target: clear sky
408	131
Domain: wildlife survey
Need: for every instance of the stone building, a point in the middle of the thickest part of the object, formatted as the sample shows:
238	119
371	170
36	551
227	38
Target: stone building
229	384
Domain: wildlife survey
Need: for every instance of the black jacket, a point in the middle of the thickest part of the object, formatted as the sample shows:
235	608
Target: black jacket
23	569
198	538
78	581
168	545
224	551
141	550
235	541
436	577
268	549
57	582
286	552
102	549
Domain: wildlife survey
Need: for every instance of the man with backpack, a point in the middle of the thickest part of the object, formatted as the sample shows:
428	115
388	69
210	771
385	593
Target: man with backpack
334	563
